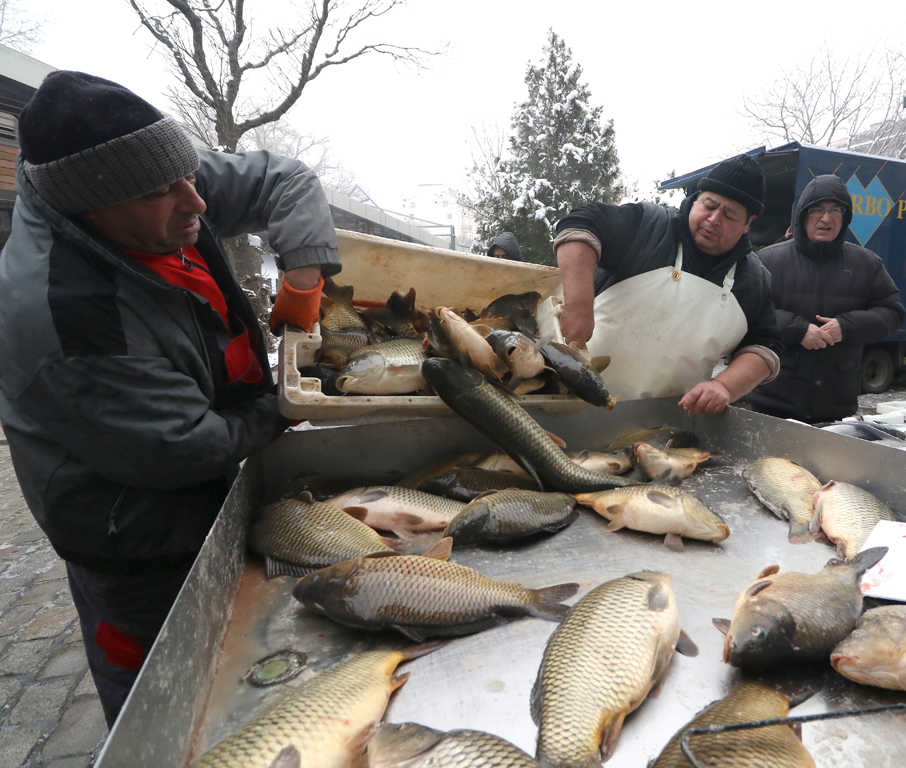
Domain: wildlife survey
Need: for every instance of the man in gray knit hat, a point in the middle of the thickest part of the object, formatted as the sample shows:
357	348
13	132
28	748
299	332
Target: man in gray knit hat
132	371
666	292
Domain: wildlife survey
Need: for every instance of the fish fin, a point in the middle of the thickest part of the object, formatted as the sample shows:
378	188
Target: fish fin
600	363
555	594
841	549
658	596
799	533
758	586
536	702
558	440
393	542
375	555
659	497
357	743
407	519
674	542
527	466
769	570
868	558
615	512
722	624
686	645
483	328
611	735
288	757
397	680
441	550
276	567
359	513
417	651
415	634
514	382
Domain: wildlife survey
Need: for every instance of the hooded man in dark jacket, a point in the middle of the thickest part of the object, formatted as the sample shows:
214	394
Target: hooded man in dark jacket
505	246
832	297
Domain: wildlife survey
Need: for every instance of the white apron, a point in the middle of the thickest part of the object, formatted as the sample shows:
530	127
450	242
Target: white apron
664	331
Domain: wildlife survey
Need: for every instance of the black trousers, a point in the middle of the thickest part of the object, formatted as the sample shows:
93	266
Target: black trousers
121	616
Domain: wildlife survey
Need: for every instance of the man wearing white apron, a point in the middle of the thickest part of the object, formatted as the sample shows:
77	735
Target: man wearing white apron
667	292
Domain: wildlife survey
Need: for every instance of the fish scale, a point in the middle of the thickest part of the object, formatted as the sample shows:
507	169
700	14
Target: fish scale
422	596
324	719
776	745
600	664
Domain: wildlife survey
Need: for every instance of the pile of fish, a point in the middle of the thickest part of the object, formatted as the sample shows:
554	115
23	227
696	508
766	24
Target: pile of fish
378	557
380	350
845	513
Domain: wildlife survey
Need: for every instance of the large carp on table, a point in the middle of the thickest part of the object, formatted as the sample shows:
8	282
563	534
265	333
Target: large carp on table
788	617
423	596
324	723
775	745
614	646
511	427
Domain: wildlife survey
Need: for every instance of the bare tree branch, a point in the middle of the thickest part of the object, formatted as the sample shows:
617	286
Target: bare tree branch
213	52
20	29
853	103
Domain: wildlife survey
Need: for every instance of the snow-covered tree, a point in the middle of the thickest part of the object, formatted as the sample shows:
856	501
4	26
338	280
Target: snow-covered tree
560	153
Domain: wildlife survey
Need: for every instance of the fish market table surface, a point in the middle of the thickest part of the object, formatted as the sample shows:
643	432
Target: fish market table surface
192	693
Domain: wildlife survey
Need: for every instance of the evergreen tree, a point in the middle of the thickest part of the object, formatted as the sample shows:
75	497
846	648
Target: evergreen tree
560	154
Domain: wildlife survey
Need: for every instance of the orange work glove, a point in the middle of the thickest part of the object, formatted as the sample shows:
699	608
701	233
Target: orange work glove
296	307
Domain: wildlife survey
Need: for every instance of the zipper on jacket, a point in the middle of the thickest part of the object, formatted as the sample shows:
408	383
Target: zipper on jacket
111	517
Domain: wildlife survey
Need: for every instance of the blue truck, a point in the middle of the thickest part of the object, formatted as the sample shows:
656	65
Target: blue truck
878	189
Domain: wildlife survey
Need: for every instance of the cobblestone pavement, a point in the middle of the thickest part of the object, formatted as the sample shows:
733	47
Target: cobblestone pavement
50	714
49	711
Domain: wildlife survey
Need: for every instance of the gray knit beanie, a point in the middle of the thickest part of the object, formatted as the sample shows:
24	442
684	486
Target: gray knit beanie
87	143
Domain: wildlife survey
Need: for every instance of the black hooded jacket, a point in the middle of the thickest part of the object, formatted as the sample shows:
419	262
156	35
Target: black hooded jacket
836	279
507	241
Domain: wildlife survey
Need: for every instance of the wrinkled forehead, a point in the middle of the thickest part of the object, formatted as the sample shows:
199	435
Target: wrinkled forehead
707	197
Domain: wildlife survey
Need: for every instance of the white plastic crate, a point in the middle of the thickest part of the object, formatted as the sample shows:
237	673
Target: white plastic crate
376	267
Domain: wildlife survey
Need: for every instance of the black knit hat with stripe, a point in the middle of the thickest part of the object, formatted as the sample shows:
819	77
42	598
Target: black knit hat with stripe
741	179
87	143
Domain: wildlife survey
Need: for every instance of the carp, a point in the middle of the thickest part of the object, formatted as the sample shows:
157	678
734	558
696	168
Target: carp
510	426
465	483
410	745
297	536
339	345
323	723
790	616
658	509
401	510
658	437
580	375
513	312
423	596
613	647
399	317
500	461
875	652
609	462
788	490
847	514
777	746
337	310
453	337
519	352
440	467
668	465
386	368
511	514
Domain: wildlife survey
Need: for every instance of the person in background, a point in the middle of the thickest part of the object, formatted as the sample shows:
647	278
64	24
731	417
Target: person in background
666	292
505	246
133	375
832	297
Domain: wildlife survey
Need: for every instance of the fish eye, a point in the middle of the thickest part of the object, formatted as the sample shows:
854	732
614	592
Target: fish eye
757	632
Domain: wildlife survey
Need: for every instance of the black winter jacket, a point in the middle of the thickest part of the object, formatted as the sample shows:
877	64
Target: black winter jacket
640	237
123	429
836	279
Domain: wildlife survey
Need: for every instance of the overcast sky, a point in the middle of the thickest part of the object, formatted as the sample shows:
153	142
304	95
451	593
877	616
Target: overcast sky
671	75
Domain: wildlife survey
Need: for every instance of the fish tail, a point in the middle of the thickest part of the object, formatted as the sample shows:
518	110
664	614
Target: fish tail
799	533
547	601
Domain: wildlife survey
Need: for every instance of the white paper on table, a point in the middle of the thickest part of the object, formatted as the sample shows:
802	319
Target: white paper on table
887	579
